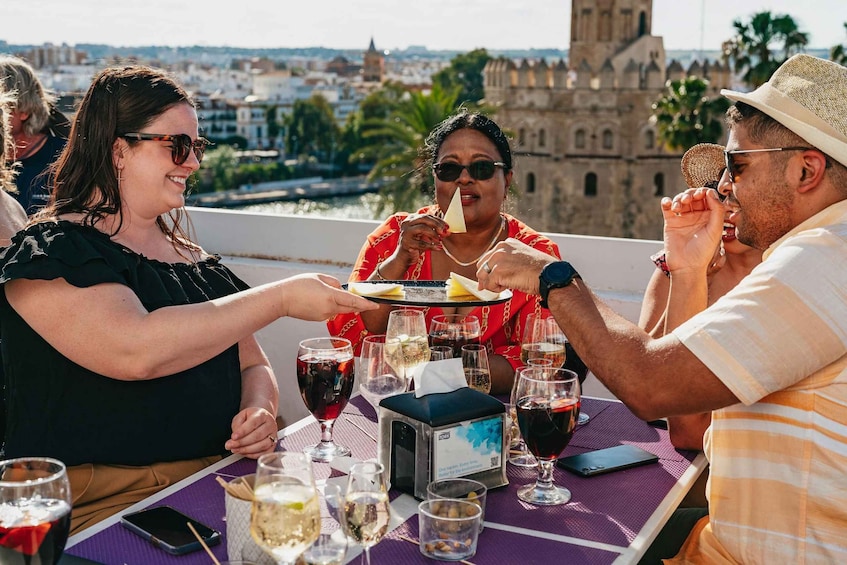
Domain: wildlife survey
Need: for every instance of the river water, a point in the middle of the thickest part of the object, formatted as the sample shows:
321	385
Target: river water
361	207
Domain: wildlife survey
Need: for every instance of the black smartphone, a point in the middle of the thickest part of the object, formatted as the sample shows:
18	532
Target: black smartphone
167	528
606	460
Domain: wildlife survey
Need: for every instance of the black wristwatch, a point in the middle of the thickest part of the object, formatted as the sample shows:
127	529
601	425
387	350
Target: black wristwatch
555	275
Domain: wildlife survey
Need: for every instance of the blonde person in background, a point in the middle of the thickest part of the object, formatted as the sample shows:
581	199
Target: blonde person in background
702	165
40	132
129	350
12	215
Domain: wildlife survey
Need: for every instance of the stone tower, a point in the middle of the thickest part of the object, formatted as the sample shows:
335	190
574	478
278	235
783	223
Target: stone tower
588	157
373	68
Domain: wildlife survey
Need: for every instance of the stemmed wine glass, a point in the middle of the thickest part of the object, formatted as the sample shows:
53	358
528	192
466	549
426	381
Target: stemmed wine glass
519	454
366	508
35	510
548	407
454	330
325	377
378	379
286	516
406	344
543	339
328	548
475	365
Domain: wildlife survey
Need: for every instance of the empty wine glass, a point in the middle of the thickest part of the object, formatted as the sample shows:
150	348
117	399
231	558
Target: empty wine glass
475	365
377	378
328	549
286	515
35	510
366	508
406	344
454	330
548	407
325	377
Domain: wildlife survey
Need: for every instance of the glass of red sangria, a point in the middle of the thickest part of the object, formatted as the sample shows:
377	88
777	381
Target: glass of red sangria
454	330
547	401
35	510
325	377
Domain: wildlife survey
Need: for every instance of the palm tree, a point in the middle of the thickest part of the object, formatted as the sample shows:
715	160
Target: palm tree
686	116
400	137
761	45
839	52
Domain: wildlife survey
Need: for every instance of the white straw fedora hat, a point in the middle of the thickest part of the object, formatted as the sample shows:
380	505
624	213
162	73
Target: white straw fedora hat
807	95
703	165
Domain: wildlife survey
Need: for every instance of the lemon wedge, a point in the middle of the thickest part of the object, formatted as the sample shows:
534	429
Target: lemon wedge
463	287
392	290
454	216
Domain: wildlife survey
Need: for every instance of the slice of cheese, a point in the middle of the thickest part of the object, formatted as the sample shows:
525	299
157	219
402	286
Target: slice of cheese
455	216
391	290
459	287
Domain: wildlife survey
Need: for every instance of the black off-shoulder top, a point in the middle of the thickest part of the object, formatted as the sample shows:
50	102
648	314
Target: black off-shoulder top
59	409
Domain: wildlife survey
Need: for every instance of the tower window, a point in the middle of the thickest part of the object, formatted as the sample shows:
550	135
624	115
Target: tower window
530	183
542	138
591	184
659	184
522	137
650	139
608	139
579	139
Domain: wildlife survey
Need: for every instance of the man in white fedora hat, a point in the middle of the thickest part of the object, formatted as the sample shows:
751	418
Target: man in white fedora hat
769	358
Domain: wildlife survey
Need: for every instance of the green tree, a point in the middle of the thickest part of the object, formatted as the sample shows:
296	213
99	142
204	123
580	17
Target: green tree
465	73
686	115
401	135
762	44
218	170
312	129
839	52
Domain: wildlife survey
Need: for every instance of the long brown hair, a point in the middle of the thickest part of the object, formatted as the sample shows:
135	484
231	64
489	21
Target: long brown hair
120	100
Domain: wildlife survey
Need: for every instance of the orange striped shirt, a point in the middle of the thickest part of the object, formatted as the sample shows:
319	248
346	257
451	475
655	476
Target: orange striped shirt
778	484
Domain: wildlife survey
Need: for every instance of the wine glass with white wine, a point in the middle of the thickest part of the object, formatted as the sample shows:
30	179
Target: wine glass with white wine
406	342
366	509
286	516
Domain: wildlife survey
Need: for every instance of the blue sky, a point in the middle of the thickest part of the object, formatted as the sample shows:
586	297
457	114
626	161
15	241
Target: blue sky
438	24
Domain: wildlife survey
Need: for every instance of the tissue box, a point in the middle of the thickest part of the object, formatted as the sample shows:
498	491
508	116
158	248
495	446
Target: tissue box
452	434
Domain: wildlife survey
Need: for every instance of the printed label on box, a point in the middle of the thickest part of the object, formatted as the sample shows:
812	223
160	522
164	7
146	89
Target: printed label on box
468	447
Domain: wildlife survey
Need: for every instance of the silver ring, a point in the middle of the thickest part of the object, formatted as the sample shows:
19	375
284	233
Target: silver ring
486	267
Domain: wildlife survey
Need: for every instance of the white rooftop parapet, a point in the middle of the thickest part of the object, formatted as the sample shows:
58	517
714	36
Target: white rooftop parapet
264	247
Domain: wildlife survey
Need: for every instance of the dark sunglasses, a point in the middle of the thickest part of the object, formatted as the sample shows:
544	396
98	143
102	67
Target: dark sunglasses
181	144
730	161
714	184
478	170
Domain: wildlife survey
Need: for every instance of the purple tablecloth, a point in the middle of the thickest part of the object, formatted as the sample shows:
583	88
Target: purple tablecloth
609	509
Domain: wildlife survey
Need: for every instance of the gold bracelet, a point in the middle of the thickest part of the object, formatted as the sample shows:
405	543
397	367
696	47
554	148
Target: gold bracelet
378	274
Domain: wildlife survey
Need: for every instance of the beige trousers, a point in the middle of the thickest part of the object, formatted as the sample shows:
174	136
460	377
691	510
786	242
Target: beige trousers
99	491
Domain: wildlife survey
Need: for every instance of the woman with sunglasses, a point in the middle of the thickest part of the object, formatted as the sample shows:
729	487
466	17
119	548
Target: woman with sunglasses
129	350
467	152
